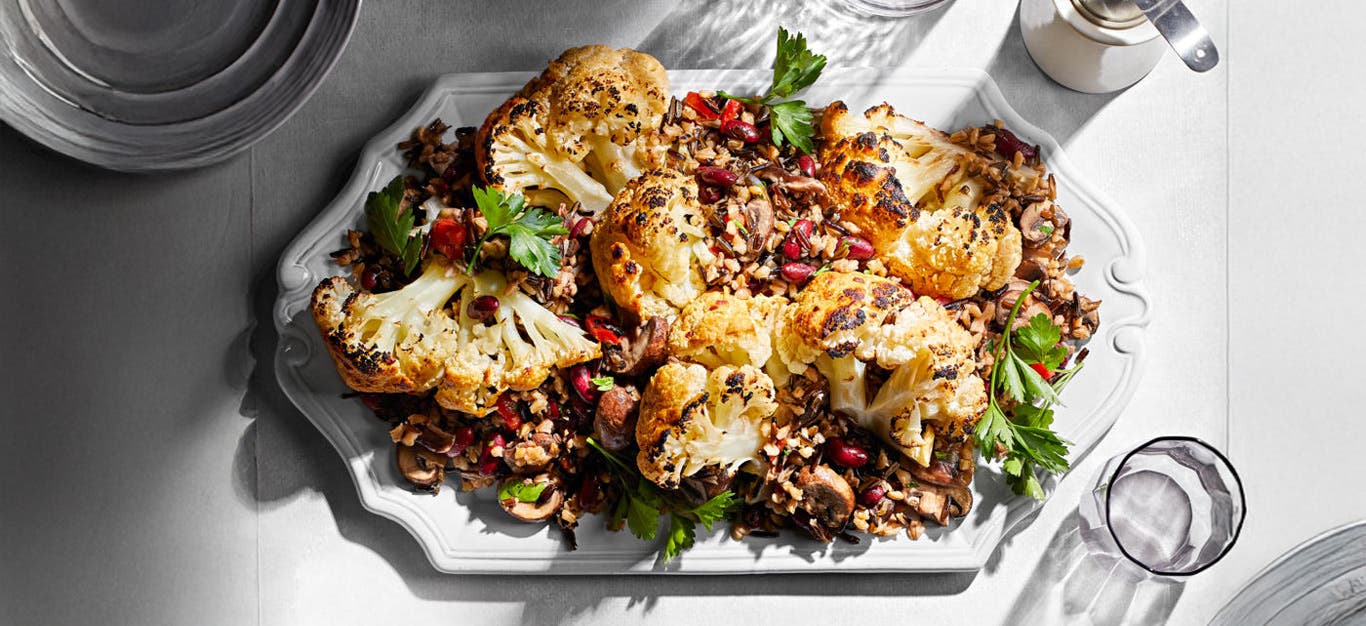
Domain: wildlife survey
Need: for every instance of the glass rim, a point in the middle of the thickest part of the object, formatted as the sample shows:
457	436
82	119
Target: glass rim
1237	529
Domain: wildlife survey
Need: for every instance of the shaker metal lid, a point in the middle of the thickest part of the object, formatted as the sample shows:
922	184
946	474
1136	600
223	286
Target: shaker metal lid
1111	13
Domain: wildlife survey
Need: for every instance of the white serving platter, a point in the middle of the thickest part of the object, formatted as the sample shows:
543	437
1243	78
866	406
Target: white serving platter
463	532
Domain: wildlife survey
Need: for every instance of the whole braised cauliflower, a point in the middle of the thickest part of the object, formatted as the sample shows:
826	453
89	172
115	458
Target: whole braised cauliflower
910	190
843	323
723	329
578	131
692	418
409	340
651	243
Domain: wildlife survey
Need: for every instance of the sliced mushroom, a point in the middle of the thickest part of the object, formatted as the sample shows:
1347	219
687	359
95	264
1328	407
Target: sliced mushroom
1032	268
940	472
423	468
1088	311
706	484
826	495
960	500
645	350
1032	306
549	502
614	423
759	222
533	453
1034	226
789	182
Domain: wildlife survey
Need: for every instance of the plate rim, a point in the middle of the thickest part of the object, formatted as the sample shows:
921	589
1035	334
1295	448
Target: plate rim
1124	273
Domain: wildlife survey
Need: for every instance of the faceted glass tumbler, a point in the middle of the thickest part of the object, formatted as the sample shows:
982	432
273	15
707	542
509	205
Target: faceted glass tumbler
895	8
1173	507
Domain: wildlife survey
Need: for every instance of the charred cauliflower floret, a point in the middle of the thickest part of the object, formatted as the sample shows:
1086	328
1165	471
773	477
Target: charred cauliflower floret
390	342
651	243
517	349
409	340
845	323
605	104
692	419
578	131
908	188
722	329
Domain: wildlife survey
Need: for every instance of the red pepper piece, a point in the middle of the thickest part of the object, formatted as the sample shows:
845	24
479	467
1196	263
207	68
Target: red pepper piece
602	329
1042	370
705	109
732	110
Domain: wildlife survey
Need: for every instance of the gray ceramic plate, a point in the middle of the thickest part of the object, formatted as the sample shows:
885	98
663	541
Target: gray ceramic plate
152	85
1319	582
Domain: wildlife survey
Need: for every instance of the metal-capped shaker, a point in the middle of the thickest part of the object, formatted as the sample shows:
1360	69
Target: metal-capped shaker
1099	46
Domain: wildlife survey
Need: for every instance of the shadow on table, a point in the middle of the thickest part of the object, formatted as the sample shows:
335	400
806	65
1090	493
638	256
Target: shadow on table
1070	583
1048	105
740	34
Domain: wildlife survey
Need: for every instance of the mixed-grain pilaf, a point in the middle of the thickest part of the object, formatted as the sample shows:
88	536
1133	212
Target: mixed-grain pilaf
774	224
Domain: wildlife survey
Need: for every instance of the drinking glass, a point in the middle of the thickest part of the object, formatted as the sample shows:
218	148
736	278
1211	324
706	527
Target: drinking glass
895	8
1173	507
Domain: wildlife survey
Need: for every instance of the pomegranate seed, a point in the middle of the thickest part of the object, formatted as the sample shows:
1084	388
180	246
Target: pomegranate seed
737	129
873	495
857	248
716	176
794	244
846	454
807	165
488	463
369	279
554	409
588	491
483	307
708	195
448	238
507	408
464	436
1007	144
581	378
797	273
583	226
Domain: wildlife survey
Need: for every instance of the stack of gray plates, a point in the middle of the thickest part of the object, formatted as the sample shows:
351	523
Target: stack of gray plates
146	85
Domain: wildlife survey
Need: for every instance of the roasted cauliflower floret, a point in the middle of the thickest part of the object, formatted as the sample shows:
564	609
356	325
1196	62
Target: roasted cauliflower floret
518	350
409	340
845	323
580	130
692	419
605	104
722	329
651	243
514	155
390	342
909	189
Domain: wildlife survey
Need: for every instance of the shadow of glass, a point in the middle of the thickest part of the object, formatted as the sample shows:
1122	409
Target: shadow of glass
1071	582
740	34
1052	107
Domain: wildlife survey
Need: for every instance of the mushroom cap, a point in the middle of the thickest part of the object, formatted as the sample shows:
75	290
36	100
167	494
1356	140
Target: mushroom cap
423	468
552	498
826	495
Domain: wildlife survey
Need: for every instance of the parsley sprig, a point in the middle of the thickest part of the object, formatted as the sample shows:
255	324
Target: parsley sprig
529	230
392	225
521	491
794	68
1026	432
642	504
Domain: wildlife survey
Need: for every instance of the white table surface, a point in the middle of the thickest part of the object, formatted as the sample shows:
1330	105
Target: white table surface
154	474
